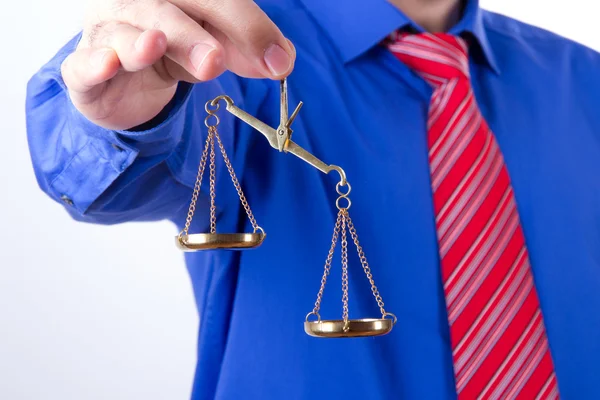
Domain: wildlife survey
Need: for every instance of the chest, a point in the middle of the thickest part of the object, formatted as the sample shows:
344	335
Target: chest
372	121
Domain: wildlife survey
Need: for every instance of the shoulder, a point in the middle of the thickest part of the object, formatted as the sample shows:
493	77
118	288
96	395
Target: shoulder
555	74
528	45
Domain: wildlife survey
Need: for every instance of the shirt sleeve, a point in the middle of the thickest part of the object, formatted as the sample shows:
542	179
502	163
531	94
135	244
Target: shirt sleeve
147	173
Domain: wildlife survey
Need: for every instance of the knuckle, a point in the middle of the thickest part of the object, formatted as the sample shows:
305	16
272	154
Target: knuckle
178	30
259	31
93	32
259	35
100	34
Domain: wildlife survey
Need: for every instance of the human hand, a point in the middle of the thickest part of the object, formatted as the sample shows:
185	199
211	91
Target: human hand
133	53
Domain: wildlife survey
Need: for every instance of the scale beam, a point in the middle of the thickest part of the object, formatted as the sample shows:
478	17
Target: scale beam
280	138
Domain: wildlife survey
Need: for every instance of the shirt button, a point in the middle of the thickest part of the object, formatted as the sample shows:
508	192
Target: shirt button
66	200
117	147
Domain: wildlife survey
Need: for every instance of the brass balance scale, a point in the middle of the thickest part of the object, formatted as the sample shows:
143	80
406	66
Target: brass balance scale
280	139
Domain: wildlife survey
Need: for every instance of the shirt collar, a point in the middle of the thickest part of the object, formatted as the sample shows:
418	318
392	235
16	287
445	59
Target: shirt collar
356	26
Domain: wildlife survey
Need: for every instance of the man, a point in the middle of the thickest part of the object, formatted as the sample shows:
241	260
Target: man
473	157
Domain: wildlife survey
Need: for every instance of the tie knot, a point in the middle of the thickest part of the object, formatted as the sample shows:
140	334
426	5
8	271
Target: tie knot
437	57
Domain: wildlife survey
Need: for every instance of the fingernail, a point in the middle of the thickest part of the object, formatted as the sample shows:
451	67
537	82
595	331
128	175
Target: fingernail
199	54
97	58
277	60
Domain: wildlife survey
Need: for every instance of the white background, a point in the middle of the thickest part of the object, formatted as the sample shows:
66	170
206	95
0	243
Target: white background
92	312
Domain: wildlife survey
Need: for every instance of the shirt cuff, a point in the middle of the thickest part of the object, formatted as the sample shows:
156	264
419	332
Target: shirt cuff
90	172
106	154
162	134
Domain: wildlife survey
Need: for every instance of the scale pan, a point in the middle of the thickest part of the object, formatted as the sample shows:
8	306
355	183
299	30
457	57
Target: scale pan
226	241
356	327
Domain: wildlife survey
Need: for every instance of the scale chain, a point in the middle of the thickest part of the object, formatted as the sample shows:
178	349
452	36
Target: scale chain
237	186
343	225
209	153
197	186
366	268
336	232
213	180
344	269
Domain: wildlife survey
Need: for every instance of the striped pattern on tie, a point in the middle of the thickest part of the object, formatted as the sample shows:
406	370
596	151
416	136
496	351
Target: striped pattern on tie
498	339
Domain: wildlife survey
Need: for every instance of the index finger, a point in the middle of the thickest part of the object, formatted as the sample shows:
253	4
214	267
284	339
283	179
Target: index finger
249	29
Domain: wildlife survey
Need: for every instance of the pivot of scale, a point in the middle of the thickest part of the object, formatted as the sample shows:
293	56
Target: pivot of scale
280	139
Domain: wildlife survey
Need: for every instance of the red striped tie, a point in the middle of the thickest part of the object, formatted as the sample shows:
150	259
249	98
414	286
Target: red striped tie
499	344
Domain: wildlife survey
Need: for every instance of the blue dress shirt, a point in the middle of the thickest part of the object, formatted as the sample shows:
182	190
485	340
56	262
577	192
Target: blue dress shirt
366	112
